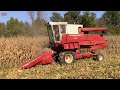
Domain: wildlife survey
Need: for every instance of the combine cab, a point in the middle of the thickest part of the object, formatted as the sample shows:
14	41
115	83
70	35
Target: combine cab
69	42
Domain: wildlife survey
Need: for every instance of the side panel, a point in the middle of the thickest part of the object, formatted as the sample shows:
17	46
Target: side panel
97	47
87	39
66	46
71	45
76	45
75	40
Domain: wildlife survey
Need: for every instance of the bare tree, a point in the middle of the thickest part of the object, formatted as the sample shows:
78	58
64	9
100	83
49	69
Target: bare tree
32	17
31	14
40	17
36	17
39	14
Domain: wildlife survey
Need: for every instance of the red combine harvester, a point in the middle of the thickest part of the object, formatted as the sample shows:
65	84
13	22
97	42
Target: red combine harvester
69	42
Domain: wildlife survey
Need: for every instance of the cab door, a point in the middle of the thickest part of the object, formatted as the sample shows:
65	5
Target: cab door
62	31
56	32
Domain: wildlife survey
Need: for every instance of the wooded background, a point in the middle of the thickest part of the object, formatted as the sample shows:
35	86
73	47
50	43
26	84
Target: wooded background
14	27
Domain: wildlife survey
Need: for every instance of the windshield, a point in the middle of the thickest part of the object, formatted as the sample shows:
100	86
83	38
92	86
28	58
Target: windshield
50	34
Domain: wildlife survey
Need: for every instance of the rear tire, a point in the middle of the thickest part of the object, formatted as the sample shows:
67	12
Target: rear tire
98	57
67	57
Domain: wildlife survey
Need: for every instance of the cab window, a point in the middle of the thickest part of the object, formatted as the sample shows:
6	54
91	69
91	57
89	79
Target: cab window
55	27
56	31
63	28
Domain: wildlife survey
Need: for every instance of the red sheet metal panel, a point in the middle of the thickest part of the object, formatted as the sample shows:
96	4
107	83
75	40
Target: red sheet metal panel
44	58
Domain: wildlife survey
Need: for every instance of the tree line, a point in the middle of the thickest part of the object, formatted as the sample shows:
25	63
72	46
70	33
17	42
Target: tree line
109	19
14	27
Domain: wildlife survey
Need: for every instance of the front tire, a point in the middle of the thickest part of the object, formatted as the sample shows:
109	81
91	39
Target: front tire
67	57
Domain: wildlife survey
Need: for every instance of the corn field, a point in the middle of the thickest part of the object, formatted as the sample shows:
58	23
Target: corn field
16	50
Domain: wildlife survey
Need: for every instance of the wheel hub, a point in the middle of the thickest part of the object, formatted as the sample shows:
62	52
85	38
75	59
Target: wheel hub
68	58
100	58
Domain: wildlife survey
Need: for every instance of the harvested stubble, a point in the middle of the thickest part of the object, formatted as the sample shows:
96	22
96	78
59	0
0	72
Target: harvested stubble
15	51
